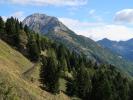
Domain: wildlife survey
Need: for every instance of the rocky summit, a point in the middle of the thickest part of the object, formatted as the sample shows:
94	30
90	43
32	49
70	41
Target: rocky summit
43	23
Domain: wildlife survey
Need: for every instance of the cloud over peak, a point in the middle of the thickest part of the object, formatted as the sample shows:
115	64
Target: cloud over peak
125	15
48	2
98	31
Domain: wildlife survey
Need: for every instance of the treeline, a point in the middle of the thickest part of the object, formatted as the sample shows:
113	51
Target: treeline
84	78
20	37
87	81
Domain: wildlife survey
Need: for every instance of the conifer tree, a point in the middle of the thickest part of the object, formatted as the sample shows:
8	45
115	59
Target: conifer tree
23	41
83	82
12	29
33	49
51	75
26	29
101	87
131	90
10	26
2	24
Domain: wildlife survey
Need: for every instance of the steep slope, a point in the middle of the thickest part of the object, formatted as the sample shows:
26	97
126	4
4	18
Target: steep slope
54	29
123	48
42	23
14	83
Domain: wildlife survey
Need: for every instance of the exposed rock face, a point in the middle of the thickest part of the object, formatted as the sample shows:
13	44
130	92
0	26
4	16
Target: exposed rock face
42	23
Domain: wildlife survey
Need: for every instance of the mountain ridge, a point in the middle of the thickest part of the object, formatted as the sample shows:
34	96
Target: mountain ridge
123	48
52	71
50	23
77	43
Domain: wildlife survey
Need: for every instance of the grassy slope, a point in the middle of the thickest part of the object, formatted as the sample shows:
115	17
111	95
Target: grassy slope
14	67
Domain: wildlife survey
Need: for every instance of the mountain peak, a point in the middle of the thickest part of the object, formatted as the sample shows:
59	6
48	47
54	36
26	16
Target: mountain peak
130	40
43	23
105	39
39	15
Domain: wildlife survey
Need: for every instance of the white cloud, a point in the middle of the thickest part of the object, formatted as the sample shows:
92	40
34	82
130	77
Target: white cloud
76	24
97	31
17	14
49	2
113	32
125	15
92	11
93	15
4	17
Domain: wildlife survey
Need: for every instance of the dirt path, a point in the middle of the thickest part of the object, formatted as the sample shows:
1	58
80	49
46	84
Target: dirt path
30	69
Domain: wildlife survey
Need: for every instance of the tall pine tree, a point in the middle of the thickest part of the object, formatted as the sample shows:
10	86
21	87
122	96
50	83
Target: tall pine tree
51	75
2	24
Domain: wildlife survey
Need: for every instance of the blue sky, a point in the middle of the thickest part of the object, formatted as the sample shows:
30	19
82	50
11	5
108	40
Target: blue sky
96	19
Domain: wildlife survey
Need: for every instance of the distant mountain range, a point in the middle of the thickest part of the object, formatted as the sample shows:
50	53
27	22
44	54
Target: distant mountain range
122	48
54	29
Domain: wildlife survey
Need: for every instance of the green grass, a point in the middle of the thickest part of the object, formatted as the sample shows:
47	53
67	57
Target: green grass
12	58
62	84
33	73
16	73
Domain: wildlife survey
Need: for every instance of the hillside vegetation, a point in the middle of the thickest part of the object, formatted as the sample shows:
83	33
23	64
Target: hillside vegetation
14	82
52	28
45	65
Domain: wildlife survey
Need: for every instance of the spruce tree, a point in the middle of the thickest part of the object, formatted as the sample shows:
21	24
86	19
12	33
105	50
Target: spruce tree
23	41
63	64
1	27
83	82
131	90
26	29
51	75
10	26
12	29
33	49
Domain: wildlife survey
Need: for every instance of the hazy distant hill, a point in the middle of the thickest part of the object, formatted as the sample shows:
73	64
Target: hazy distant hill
123	48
